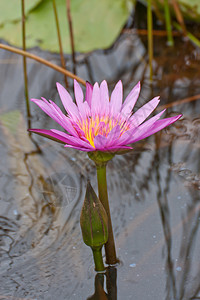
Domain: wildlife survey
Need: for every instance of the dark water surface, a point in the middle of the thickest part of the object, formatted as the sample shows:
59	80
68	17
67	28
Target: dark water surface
154	192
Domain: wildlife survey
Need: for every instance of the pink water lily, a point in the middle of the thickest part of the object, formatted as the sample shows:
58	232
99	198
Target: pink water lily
101	123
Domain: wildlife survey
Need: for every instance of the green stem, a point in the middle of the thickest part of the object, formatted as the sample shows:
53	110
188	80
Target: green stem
110	251
150	38
98	260
24	64
168	23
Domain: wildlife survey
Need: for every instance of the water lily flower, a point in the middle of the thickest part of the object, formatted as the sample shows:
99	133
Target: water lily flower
101	123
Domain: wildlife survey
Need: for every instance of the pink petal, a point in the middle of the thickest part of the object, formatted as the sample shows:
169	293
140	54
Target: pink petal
116	99
45	106
96	103
143	129
63	138
78	93
113	135
80	132
67	102
80	148
130	101
160	124
104	98
52	110
88	93
61	133
56	108
100	128
84	110
131	135
72	140
142	113
100	142
51	135
126	136
87	110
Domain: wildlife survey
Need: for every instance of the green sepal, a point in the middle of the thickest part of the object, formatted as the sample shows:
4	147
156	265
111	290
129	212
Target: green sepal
100	157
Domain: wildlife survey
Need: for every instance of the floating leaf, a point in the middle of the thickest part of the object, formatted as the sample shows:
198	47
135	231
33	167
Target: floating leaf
11	10
96	25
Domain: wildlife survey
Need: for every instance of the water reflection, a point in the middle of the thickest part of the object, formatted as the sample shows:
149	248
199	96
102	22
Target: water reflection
182	278
99	293
165	217
111	285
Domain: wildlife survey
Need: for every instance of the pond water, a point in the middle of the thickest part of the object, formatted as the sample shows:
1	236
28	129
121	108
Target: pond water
154	192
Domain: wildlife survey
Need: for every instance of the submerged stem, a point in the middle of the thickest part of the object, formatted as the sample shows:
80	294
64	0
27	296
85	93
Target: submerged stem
110	251
98	260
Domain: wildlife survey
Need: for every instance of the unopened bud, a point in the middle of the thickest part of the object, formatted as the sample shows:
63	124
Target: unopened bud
93	220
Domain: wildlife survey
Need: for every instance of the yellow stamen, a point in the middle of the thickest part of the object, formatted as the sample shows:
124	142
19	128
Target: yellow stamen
92	126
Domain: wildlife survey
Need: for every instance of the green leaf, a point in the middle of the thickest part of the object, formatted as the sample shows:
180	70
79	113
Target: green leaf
96	24
11	10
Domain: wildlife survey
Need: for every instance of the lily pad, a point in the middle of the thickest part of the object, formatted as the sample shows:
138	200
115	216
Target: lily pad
11	10
96	24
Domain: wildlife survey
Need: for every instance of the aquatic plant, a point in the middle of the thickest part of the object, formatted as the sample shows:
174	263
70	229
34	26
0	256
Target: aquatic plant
102	126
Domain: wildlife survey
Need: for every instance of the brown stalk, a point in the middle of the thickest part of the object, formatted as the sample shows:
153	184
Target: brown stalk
155	32
71	34
179	16
42	61
150	38
179	102
62	59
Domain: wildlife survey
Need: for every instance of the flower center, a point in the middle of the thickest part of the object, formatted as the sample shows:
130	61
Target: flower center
101	125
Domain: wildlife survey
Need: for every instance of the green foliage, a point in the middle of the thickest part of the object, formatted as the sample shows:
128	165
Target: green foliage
11	10
96	24
191	9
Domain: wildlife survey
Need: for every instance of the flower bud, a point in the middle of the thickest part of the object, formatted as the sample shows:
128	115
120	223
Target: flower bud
93	220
